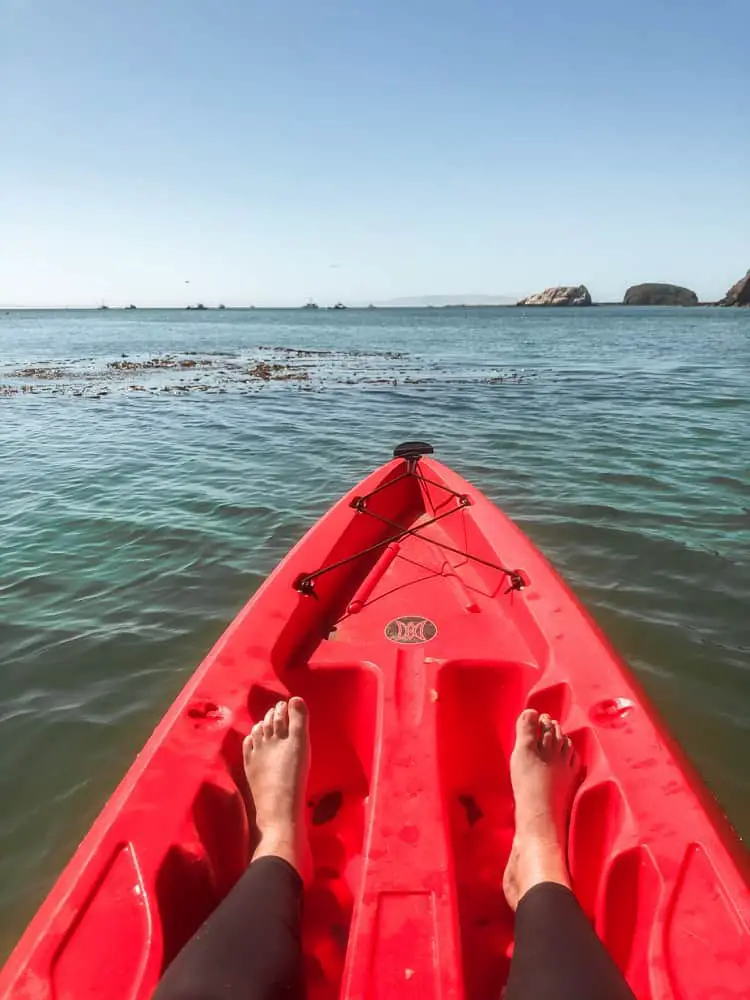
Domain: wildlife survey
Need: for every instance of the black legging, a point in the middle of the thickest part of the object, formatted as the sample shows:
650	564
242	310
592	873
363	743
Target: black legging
250	948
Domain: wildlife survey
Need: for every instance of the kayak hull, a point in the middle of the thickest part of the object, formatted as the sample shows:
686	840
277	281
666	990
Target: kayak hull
417	621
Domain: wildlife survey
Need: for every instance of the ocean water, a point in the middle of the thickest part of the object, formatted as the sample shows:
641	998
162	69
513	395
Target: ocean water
154	466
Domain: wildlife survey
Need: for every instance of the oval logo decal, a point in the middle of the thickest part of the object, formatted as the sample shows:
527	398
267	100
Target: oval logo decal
410	629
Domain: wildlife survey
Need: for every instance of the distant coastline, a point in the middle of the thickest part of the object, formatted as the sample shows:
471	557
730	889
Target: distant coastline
512	306
648	294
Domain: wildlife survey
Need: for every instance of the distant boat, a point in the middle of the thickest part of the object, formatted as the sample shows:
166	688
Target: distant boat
311	305
339	305
102	306
222	306
199	306
131	306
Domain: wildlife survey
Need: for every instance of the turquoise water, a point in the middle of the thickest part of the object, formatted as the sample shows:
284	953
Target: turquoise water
140	506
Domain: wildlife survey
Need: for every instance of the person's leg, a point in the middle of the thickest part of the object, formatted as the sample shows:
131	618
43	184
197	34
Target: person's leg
556	954
250	948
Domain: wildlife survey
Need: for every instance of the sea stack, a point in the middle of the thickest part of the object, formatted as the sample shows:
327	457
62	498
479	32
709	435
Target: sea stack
559	295
657	294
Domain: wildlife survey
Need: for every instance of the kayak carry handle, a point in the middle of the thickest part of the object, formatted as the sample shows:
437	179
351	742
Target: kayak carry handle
412	451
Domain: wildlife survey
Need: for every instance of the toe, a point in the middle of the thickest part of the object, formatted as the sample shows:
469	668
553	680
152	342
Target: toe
268	723
281	719
558	734
256	735
544	734
527	725
247	747
297	716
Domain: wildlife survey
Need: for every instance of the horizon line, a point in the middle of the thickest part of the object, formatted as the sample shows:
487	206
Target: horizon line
340	308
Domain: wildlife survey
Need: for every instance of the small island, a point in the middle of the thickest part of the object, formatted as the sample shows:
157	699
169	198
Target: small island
559	295
659	294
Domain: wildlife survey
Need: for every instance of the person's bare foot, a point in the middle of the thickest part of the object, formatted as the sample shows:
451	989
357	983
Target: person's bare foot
544	771
277	762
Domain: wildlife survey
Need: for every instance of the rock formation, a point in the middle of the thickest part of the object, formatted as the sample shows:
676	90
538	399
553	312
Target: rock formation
559	295
655	294
739	294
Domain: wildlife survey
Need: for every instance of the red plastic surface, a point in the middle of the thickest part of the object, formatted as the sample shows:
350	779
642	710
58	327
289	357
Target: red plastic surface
410	809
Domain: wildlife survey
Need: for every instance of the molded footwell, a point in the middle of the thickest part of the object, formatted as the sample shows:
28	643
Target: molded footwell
477	711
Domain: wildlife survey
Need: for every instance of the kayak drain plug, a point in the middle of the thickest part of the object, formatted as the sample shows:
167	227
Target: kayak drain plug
612	712
208	713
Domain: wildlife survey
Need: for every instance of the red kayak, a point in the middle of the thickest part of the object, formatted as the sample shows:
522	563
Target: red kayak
414	613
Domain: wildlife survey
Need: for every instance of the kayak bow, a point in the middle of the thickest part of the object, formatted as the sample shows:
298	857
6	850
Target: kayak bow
417	621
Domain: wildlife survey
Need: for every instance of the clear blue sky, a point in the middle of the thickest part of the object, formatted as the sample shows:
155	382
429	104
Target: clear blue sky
270	151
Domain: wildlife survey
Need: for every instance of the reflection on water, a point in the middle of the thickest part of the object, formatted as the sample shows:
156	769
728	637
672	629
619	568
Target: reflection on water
134	524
